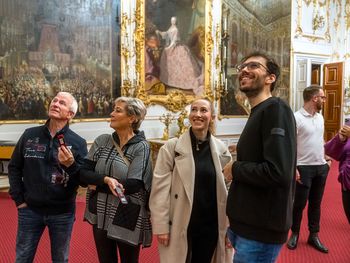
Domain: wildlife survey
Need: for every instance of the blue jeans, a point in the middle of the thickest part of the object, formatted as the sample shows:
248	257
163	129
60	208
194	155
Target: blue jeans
251	251
31	226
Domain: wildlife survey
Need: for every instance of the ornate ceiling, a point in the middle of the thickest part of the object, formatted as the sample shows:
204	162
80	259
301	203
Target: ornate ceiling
267	11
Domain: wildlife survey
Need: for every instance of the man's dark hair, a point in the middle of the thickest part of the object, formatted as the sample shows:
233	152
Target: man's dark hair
271	64
310	92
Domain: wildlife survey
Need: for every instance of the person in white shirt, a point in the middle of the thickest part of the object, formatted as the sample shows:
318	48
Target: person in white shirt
312	167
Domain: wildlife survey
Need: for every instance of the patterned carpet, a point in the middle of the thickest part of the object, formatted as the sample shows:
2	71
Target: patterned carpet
335	233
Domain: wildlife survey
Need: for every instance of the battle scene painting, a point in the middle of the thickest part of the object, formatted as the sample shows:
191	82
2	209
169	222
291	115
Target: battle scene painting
52	46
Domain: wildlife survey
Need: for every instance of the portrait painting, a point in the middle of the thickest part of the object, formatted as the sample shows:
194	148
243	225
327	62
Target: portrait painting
52	46
175	46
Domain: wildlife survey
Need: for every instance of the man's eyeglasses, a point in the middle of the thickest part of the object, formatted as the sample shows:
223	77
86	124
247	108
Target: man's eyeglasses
322	97
251	66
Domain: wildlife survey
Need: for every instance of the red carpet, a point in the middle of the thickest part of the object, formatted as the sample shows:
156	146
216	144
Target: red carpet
334	230
335	233
82	244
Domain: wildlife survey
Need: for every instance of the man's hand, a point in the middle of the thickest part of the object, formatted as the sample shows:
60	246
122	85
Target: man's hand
65	156
298	177
227	171
163	239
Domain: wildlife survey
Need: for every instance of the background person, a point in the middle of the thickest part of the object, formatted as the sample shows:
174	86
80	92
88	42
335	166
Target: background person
121	159
259	204
44	178
188	196
312	167
339	149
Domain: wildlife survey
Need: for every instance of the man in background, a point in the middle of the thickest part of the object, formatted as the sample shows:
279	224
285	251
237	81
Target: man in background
44	177
312	167
259	204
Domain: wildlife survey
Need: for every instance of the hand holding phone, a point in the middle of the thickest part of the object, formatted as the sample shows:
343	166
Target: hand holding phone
60	138
121	195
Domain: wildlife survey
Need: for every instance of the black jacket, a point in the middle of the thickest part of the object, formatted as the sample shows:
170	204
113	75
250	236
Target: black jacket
35	175
259	203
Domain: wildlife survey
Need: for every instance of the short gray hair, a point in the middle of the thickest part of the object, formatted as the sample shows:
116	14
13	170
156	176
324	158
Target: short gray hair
74	106
134	107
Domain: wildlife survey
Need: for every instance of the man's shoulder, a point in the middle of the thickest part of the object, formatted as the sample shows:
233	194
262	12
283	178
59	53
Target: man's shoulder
75	136
34	130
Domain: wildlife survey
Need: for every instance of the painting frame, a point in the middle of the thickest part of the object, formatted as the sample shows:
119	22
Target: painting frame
175	99
50	52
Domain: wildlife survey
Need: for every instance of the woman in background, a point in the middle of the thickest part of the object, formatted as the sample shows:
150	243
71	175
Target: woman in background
339	149
120	160
188	197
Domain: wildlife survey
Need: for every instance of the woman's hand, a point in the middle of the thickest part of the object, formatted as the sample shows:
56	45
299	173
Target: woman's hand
112	184
344	133
163	239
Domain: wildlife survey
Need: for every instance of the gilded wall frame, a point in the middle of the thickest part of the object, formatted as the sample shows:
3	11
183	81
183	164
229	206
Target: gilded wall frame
316	15
52	46
171	97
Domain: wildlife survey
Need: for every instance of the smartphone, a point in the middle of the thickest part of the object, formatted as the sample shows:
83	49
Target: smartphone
347	122
60	138
121	195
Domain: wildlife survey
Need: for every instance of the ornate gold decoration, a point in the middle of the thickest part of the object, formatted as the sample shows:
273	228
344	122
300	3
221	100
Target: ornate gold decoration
347	15
318	21
139	37
126	84
181	122
166	119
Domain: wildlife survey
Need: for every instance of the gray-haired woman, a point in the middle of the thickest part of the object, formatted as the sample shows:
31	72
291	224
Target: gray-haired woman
121	160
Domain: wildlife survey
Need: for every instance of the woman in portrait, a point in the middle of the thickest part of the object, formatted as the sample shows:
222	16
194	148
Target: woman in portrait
121	159
178	67
188	196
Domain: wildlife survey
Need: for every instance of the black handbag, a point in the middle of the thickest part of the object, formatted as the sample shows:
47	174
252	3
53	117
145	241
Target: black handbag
126	215
92	204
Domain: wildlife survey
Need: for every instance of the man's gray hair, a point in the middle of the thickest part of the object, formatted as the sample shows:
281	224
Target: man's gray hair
74	106
134	107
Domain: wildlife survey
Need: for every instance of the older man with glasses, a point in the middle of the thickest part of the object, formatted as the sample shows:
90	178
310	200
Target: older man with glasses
259	204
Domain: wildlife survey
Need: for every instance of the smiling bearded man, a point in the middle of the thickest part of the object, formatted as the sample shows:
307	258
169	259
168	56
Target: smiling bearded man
259	204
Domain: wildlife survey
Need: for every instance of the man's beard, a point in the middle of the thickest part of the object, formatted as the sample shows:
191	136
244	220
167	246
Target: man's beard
319	107
252	91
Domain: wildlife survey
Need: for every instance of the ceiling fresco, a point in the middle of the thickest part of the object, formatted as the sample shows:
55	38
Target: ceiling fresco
267	11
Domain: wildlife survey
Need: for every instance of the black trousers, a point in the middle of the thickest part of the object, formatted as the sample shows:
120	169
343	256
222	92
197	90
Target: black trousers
313	178
201	246
346	203
107	249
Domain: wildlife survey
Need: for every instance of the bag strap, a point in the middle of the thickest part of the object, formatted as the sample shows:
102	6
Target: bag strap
120	152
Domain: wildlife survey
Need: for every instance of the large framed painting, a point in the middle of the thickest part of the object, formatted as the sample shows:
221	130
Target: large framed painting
52	46
174	59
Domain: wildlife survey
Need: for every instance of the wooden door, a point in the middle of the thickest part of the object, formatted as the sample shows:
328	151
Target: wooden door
333	79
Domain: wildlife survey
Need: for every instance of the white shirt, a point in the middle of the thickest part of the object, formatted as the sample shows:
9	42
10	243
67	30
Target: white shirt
310	129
